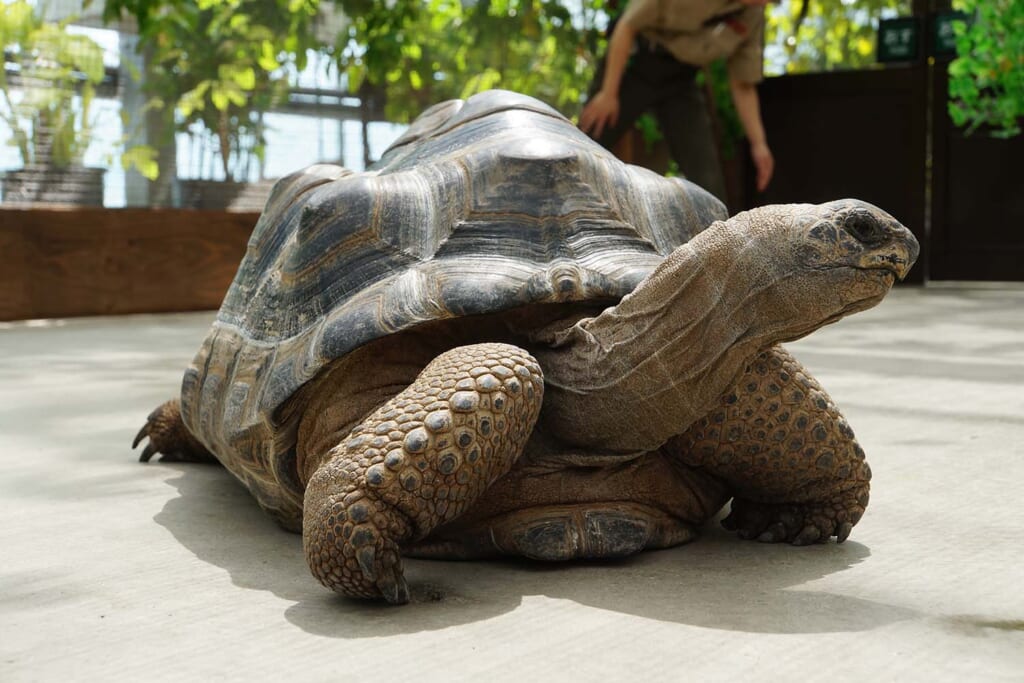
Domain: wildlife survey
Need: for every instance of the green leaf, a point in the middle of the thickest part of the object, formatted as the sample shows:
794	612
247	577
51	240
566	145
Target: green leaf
220	99
355	75
143	159
236	97
985	86
245	78
267	59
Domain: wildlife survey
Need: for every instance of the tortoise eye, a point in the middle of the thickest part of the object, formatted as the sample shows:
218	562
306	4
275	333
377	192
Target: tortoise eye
864	228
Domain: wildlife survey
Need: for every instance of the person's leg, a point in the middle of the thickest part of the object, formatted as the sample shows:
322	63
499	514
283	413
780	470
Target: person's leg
686	125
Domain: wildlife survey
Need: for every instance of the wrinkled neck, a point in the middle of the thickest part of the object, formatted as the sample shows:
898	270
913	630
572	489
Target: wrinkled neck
644	370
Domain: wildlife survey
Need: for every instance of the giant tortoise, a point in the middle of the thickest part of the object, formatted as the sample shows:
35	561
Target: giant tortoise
501	340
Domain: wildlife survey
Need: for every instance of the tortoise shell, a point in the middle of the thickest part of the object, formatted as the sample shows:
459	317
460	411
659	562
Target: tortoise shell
483	206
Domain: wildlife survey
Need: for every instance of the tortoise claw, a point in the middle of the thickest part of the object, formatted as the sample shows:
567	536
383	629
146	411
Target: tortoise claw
809	535
367	558
796	523
383	571
148	452
394	588
169	438
143	433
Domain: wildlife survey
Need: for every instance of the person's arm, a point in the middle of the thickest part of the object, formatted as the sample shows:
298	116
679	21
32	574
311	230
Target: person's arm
748	106
603	108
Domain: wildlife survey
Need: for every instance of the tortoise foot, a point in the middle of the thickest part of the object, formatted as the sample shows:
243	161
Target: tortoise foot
169	437
354	552
797	523
576	532
416	463
556	533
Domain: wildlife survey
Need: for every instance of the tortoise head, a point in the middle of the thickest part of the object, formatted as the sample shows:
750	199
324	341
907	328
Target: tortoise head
854	234
765	276
814	264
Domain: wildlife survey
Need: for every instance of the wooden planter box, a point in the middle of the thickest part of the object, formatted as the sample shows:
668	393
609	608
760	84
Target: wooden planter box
221	194
46	185
73	261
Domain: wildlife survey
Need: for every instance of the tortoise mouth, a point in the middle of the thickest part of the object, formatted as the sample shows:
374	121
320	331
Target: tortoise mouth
875	282
883	276
888	273
891	264
885	273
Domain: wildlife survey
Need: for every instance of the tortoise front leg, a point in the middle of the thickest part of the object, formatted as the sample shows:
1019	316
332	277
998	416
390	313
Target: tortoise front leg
418	461
797	472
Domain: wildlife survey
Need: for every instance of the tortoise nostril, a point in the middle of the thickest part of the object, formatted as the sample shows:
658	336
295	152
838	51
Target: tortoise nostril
864	228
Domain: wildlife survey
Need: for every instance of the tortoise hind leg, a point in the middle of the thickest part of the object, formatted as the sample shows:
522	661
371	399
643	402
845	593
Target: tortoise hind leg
417	462
556	533
790	458
169	437
558	504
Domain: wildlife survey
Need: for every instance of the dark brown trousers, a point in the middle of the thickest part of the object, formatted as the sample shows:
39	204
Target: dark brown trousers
655	81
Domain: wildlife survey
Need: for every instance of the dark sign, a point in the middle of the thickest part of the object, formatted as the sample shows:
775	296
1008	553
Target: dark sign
898	40
943	36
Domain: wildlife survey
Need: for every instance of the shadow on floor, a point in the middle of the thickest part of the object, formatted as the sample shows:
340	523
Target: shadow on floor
717	582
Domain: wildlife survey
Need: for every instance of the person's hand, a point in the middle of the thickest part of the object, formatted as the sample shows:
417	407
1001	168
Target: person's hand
764	162
600	112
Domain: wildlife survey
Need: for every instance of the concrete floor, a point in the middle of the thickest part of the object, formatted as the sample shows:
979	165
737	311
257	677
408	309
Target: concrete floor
113	570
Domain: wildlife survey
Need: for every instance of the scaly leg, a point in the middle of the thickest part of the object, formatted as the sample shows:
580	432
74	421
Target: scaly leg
796	470
558	507
417	462
169	437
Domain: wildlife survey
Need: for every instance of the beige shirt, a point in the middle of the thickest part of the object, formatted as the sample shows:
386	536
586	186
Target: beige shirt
700	31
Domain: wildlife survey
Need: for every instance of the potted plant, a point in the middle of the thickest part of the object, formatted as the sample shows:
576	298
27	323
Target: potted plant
47	88
213	69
